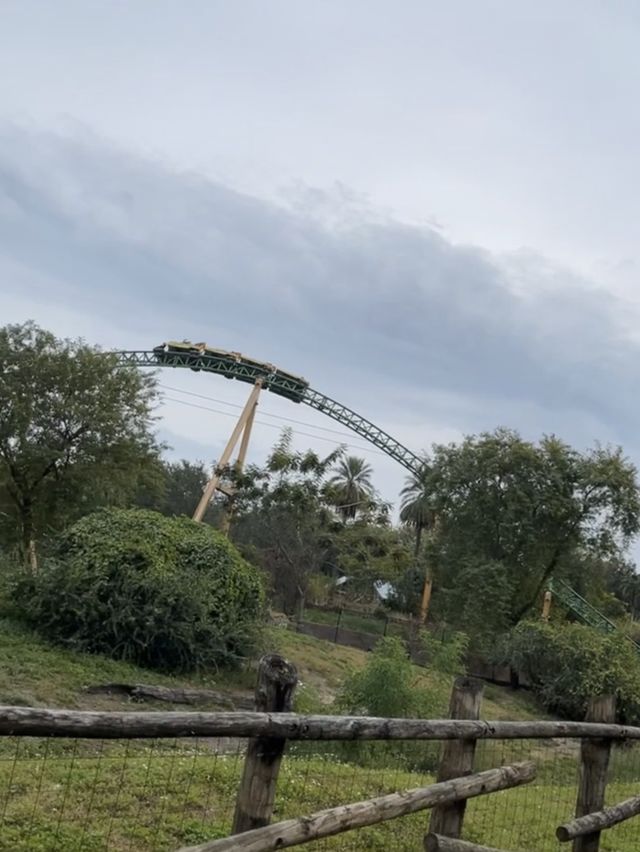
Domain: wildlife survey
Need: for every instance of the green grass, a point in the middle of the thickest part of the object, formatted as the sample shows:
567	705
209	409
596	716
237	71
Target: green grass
158	797
84	795
34	673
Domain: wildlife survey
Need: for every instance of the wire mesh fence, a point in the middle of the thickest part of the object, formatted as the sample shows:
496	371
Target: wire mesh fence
153	795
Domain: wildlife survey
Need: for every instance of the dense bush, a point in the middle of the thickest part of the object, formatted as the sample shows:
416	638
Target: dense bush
388	686
569	663
167	593
445	652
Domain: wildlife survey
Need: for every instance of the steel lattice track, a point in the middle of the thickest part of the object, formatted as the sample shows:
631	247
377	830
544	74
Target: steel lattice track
282	385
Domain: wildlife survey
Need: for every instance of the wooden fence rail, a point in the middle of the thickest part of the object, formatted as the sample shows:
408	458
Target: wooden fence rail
606	818
35	722
360	814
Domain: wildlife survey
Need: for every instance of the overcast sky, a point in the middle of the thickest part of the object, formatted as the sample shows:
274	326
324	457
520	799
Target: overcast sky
430	210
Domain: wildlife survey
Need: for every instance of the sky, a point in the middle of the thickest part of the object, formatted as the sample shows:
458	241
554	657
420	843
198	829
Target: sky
430	210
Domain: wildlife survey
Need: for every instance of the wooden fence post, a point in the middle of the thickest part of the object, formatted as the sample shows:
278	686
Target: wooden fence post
337	631
277	679
457	755
594	763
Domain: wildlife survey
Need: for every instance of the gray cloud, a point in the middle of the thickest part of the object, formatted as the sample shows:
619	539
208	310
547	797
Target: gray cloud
386	316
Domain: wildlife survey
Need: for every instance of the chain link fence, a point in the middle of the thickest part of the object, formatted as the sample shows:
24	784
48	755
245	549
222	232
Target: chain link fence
157	795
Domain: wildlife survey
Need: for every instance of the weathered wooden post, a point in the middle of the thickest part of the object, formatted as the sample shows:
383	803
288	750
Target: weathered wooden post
337	631
594	763
277	679
457	755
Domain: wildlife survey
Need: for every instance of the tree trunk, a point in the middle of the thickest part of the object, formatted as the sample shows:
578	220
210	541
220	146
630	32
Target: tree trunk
28	544
418	539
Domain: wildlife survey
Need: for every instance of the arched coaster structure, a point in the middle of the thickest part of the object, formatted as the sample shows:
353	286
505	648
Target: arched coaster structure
265	376
233	365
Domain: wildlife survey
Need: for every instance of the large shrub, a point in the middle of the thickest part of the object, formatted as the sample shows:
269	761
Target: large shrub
568	664
167	593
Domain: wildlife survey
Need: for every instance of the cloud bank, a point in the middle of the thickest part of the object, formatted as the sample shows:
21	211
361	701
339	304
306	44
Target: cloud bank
424	336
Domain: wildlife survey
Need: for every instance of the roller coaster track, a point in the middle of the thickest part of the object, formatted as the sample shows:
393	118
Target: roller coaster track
282	385
583	610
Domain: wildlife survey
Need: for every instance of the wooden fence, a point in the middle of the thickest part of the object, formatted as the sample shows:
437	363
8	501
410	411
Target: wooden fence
272	724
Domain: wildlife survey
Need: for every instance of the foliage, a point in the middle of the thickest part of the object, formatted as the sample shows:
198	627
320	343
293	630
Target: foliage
366	552
179	491
75	431
525	511
447	653
386	686
285	521
350	488
165	593
568	664
416	505
478	595
281	520
620	578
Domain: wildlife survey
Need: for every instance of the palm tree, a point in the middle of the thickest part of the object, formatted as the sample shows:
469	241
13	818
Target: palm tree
416	508
351	486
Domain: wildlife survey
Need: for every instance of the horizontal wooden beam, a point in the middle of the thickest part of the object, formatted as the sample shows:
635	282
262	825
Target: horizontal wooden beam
347	817
35	722
598	820
438	843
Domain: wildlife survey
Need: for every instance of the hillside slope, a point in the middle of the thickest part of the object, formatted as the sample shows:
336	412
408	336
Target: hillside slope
33	673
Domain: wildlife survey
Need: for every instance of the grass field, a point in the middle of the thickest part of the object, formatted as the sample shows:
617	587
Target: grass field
159	795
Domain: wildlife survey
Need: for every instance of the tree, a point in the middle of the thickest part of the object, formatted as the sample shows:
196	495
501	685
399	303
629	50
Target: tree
182	485
367	552
416	507
281	521
350	487
285	522
75	431
526	509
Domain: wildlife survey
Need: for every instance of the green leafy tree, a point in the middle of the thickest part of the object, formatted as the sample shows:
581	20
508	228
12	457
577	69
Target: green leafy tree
182	484
75	431
527	510
366	552
285	522
281	520
350	488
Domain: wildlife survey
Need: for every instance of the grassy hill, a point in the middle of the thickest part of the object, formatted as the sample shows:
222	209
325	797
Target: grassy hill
34	673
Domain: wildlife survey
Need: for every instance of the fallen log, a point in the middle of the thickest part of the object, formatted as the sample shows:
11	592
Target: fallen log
172	695
598	820
347	817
